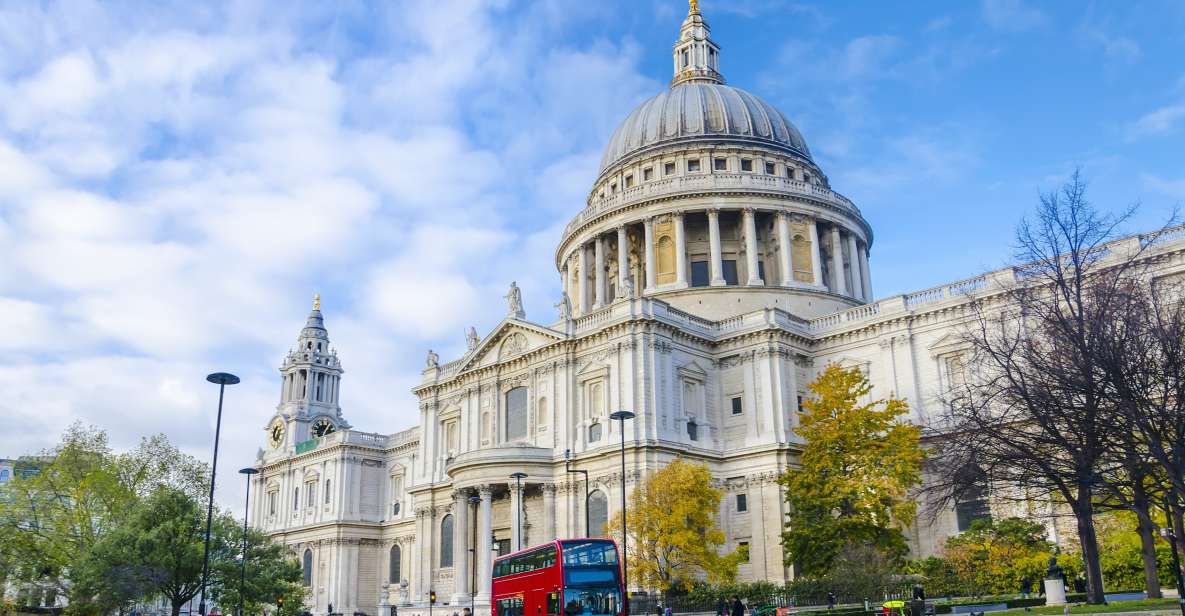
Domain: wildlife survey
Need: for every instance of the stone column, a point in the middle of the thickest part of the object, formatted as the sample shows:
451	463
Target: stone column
599	274
714	241
816	255
784	249
549	512
484	543
680	252
582	293
865	275
648	225
837	262
460	546
751	247
857	276
623	259
516	517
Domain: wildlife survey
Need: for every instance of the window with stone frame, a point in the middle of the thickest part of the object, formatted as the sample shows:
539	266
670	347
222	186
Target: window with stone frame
720	164
770	168
598	514
452	437
516	414
306	566
446	541
394	564
647	174
396	494
746	164
742	503
668	168
310	493
629	181
327	492
273	497
693	165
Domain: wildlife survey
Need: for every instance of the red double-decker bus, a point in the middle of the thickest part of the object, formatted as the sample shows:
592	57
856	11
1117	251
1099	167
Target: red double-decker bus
568	577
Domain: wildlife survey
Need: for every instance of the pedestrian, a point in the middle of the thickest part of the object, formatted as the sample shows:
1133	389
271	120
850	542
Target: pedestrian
830	600
721	607
738	608
466	612
1026	587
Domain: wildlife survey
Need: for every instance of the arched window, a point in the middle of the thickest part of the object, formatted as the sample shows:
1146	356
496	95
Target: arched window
307	565
393	570
446	541
516	413
598	514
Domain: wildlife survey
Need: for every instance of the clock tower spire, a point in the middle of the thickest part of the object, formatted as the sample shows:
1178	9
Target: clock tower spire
310	385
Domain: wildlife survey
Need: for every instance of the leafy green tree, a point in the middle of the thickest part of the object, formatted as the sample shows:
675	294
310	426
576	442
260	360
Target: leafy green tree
858	465
272	571
63	501
673	534
994	556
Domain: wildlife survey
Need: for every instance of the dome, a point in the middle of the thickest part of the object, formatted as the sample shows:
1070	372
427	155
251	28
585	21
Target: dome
696	110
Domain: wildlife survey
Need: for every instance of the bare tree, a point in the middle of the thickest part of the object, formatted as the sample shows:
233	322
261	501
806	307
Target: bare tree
1035	411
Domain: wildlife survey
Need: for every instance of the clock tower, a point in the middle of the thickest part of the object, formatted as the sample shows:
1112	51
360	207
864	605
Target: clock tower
311	378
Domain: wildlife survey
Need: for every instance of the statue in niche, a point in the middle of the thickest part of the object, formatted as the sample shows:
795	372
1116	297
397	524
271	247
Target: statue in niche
565	307
627	287
433	359
471	338
514	300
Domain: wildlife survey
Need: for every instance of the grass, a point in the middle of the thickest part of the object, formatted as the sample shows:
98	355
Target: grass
1140	605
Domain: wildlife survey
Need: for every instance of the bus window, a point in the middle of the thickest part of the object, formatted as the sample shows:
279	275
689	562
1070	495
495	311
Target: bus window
590	553
592	601
553	603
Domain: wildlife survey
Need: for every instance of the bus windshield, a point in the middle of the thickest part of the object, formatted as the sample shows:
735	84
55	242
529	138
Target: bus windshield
603	601
590	553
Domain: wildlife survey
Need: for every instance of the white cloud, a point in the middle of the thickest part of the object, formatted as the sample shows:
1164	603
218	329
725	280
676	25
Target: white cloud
1157	123
1012	15
1173	188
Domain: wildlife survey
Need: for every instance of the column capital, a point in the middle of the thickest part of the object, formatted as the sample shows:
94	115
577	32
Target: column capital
485	491
549	488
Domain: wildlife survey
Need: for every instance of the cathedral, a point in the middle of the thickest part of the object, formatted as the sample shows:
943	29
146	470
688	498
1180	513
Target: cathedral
713	272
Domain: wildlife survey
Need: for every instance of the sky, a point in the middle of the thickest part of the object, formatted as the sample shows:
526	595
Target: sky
178	178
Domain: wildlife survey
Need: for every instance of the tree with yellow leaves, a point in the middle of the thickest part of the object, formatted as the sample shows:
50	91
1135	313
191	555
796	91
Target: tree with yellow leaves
858	465
674	539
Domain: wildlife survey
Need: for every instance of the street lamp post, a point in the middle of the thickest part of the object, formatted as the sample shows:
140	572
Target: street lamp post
246	512
1169	533
518	512
625	563
568	467
222	379
474	501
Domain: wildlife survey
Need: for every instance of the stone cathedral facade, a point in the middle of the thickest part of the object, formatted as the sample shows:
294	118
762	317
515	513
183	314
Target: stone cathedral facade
712	273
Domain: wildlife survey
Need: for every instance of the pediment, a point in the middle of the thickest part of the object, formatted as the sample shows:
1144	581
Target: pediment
693	369
948	343
511	339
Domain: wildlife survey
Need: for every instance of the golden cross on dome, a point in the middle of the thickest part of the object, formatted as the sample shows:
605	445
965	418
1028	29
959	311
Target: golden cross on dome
316	301
694	7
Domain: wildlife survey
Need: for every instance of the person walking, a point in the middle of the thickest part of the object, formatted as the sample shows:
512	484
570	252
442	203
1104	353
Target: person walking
830	600
721	607
738	608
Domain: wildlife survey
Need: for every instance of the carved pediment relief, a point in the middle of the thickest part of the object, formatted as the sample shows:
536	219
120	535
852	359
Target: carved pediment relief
510	340
950	343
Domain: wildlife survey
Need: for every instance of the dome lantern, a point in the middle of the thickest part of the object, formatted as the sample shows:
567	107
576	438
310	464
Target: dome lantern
696	55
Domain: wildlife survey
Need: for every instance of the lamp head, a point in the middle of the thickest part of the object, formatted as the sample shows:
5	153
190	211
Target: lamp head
223	378
518	475
249	471
622	415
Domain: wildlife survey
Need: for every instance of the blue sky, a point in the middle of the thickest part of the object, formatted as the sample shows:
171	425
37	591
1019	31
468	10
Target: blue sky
177	179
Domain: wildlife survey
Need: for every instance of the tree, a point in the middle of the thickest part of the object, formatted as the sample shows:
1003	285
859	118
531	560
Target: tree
859	464
158	549
1037	409
673	535
272	571
996	556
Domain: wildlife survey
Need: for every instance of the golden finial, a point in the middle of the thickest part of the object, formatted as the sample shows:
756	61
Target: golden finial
316	301
694	7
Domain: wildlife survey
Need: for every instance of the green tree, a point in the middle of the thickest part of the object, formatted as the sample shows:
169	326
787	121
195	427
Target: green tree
272	571
995	556
673	534
858	465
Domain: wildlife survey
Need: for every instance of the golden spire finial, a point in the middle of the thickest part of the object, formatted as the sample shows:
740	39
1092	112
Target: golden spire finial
316	301
694	10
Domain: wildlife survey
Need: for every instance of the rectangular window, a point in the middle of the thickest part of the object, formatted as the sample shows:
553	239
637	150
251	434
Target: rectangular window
692	431
729	269
770	169
742	503
790	172
310	494
668	169
327	484
271	503
806	177
761	270
629	181
296	498
613	188
737	409
746	164
693	165
647	174
503	546
516	413
699	273
743	548
720	164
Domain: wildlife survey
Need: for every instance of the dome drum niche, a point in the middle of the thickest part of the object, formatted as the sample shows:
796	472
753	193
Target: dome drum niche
707	188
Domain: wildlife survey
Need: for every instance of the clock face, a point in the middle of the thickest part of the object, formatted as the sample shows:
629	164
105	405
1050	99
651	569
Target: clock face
323	426
276	434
